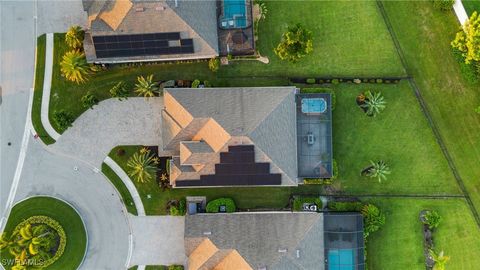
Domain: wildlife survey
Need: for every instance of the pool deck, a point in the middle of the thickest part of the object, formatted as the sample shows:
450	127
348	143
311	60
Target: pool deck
314	139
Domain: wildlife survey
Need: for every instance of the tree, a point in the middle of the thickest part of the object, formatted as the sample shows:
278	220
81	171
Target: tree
374	103
432	219
141	166
120	90
444	5
440	260
74	66
214	64
89	100
296	43
74	37
63	119
373	219
146	87
378	170
467	40
263	10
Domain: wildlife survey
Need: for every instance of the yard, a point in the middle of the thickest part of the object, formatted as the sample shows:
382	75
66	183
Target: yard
68	219
398	245
425	40
471	6
349	39
400	136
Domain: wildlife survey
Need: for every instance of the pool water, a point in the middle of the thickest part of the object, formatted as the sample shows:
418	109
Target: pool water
314	105
340	259
235	14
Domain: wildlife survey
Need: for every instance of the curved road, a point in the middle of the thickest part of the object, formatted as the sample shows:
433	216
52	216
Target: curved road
39	171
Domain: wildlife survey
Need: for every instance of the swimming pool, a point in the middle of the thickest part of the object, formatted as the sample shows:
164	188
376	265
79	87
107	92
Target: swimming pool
314	105
340	259
234	14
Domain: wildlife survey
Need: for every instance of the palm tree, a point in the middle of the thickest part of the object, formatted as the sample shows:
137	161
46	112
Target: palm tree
146	87
141	166
440	260
374	103
75	67
74	37
378	170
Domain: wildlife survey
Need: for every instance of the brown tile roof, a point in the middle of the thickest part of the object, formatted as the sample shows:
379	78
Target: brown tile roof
114	12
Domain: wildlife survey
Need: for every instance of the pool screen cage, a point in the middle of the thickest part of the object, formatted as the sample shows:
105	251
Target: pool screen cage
344	243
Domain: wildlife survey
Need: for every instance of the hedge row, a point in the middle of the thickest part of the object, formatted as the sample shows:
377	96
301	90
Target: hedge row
299	201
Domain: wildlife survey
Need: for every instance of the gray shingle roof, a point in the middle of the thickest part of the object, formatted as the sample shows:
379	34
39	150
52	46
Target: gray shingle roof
258	237
267	115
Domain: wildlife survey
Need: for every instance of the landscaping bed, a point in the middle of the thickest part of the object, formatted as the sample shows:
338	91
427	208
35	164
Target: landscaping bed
62	213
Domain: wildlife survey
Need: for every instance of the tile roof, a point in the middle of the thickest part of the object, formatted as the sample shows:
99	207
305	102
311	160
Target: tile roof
282	240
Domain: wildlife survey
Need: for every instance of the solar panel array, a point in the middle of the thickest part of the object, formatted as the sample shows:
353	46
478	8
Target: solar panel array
141	45
237	167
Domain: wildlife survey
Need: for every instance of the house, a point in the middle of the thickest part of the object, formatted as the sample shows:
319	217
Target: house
166	30
258	136
274	241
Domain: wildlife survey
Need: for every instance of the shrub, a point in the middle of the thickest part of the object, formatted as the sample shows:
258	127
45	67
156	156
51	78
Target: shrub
214	206
74	66
444	5
141	166
207	83
63	119
467	39
120	90
334	170
432	219
373	219
146	87
378	170
299	201
89	100
378	80
335	81
195	83
374	103
180	209
469	71
214	64
74	37
175	267
310	81
345	206
296	43
357	81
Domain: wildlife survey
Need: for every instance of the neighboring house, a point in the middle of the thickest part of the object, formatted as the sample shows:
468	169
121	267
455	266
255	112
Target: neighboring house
245	136
166	30
274	241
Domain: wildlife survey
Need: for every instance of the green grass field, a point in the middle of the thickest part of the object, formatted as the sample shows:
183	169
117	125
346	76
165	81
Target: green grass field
38	90
350	39
398	245
121	188
425	40
399	135
471	6
68	219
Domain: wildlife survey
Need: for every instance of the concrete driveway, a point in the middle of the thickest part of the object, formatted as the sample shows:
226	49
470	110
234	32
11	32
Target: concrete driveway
112	122
157	240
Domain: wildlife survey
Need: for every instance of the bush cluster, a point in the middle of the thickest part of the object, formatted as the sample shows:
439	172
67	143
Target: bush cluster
299	201
63	119
180	209
214	206
89	100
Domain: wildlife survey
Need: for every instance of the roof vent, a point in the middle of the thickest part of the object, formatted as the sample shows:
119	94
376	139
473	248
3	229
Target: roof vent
160	8
139	9
282	250
298	253
207	233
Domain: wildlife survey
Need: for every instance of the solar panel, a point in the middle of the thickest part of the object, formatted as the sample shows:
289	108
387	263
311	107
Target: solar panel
141	45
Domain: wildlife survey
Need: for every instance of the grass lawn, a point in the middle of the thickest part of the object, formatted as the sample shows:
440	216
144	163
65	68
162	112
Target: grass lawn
68	219
38	90
121	188
399	135
425	40
398	245
471	6
350	39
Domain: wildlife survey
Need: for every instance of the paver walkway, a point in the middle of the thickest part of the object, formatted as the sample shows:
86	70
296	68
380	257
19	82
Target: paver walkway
112	122
157	240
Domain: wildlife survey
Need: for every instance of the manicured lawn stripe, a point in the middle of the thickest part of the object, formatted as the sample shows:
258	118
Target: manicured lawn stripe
425	41
38	90
471	6
68	219
400	136
121	188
